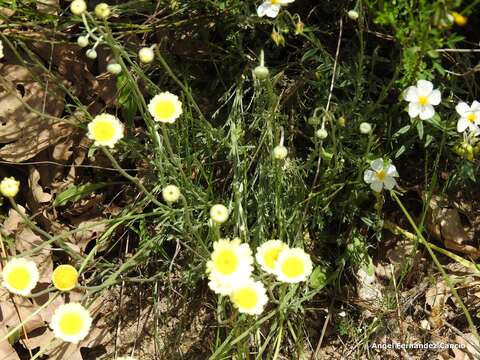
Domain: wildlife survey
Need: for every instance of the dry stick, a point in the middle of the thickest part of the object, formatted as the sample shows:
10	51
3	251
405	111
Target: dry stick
324	329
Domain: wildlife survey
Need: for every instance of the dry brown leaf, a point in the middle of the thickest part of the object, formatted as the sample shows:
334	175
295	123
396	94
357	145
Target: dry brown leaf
87	231
436	297
11	223
25	308
7	352
37	192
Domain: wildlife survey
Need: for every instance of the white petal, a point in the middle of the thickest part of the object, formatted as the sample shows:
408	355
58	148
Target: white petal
462	109
283	2
427	112
410	94
391	170
475	106
435	97
262	9
272	10
389	182
414	109
368	176
377	164
424	87
376	186
462	124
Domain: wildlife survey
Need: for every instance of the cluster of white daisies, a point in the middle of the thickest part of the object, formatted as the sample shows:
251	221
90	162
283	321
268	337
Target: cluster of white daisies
231	265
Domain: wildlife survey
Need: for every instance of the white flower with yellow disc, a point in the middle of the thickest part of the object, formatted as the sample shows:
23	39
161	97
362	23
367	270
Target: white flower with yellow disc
249	297
230	263
271	8
71	322
382	174
105	130
20	276
267	254
165	107
422	99
293	265
469	117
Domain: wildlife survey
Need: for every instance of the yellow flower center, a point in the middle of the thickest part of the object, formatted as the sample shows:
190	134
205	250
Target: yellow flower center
103	130
71	323
65	277
270	257
275	2
226	262
293	267
245	298
18	278
381	175
165	109
422	100
471	117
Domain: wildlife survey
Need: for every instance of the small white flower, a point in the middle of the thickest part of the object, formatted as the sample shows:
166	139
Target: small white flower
280	152
105	130
380	175
165	107
71	322
20	276
267	254
171	193
9	187
219	213
78	7
271	8
469	117
422	99
293	265
249	297
146	55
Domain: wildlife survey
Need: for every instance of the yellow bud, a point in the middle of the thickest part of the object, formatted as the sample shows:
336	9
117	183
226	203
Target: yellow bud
459	19
9	187
102	11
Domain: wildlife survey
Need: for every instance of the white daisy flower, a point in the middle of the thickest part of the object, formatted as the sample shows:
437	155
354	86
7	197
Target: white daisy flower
293	265
71	322
9	187
65	277
165	107
267	254
105	130
249	297
271	8
20	276
380	175
422	99
219	213
469	117
230	262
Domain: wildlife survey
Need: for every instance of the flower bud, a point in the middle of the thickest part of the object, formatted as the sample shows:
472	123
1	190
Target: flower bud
299	28
341	121
353	15
114	68
9	187
171	193
82	41
261	72
280	152
365	128
146	55
322	134
278	38
78	7
218	213
102	11
91	54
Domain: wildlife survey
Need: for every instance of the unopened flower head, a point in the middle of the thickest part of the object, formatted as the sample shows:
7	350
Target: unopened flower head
293	265
219	213
249	297
271	8
230	263
381	174
20	276
78	7
82	41
102	11
91	54
261	72
71	322
422	98
105	130
165	107
65	277
114	68
267	254
322	134
171	193
146	55
9	187
280	152
353	15
469	117
459	19
365	128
